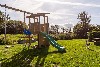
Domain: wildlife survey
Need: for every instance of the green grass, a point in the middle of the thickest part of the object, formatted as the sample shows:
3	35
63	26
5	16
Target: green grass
12	39
77	55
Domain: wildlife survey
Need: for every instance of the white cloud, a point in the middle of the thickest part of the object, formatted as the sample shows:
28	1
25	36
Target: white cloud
70	3
27	5
55	16
65	14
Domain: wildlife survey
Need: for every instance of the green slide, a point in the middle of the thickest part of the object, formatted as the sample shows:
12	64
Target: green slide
53	42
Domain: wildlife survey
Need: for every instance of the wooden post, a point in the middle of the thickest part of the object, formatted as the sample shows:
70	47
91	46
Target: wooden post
44	24
34	19
47	19
29	24
5	23
37	19
24	17
39	34
29	35
47	26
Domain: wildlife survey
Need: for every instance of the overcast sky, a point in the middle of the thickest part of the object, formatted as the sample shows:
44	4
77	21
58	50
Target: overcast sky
61	11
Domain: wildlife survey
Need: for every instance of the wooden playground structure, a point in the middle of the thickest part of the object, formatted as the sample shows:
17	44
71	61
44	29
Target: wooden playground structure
37	27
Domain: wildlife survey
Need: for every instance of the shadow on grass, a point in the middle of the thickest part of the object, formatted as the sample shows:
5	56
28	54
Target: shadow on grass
25	57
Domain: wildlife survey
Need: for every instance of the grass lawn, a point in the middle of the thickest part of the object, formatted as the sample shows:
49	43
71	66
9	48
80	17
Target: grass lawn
77	55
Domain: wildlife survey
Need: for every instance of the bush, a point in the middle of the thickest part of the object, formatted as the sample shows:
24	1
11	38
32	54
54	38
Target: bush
92	35
55	37
8	41
1	41
67	36
62	37
75	36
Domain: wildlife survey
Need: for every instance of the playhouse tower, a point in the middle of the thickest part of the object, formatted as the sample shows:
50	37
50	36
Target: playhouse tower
37	27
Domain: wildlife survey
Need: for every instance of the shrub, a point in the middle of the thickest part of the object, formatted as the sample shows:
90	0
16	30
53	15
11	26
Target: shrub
55	37
94	34
67	36
62	36
9	39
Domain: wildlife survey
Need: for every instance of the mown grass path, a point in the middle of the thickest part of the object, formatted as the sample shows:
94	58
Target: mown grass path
77	55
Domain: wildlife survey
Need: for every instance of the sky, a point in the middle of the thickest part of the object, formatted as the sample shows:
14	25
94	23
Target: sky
61	11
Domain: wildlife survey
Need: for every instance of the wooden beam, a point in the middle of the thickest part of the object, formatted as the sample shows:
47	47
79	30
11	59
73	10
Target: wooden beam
17	10
43	13
2	5
29	13
6	6
10	8
33	16
14	9
29	17
20	10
